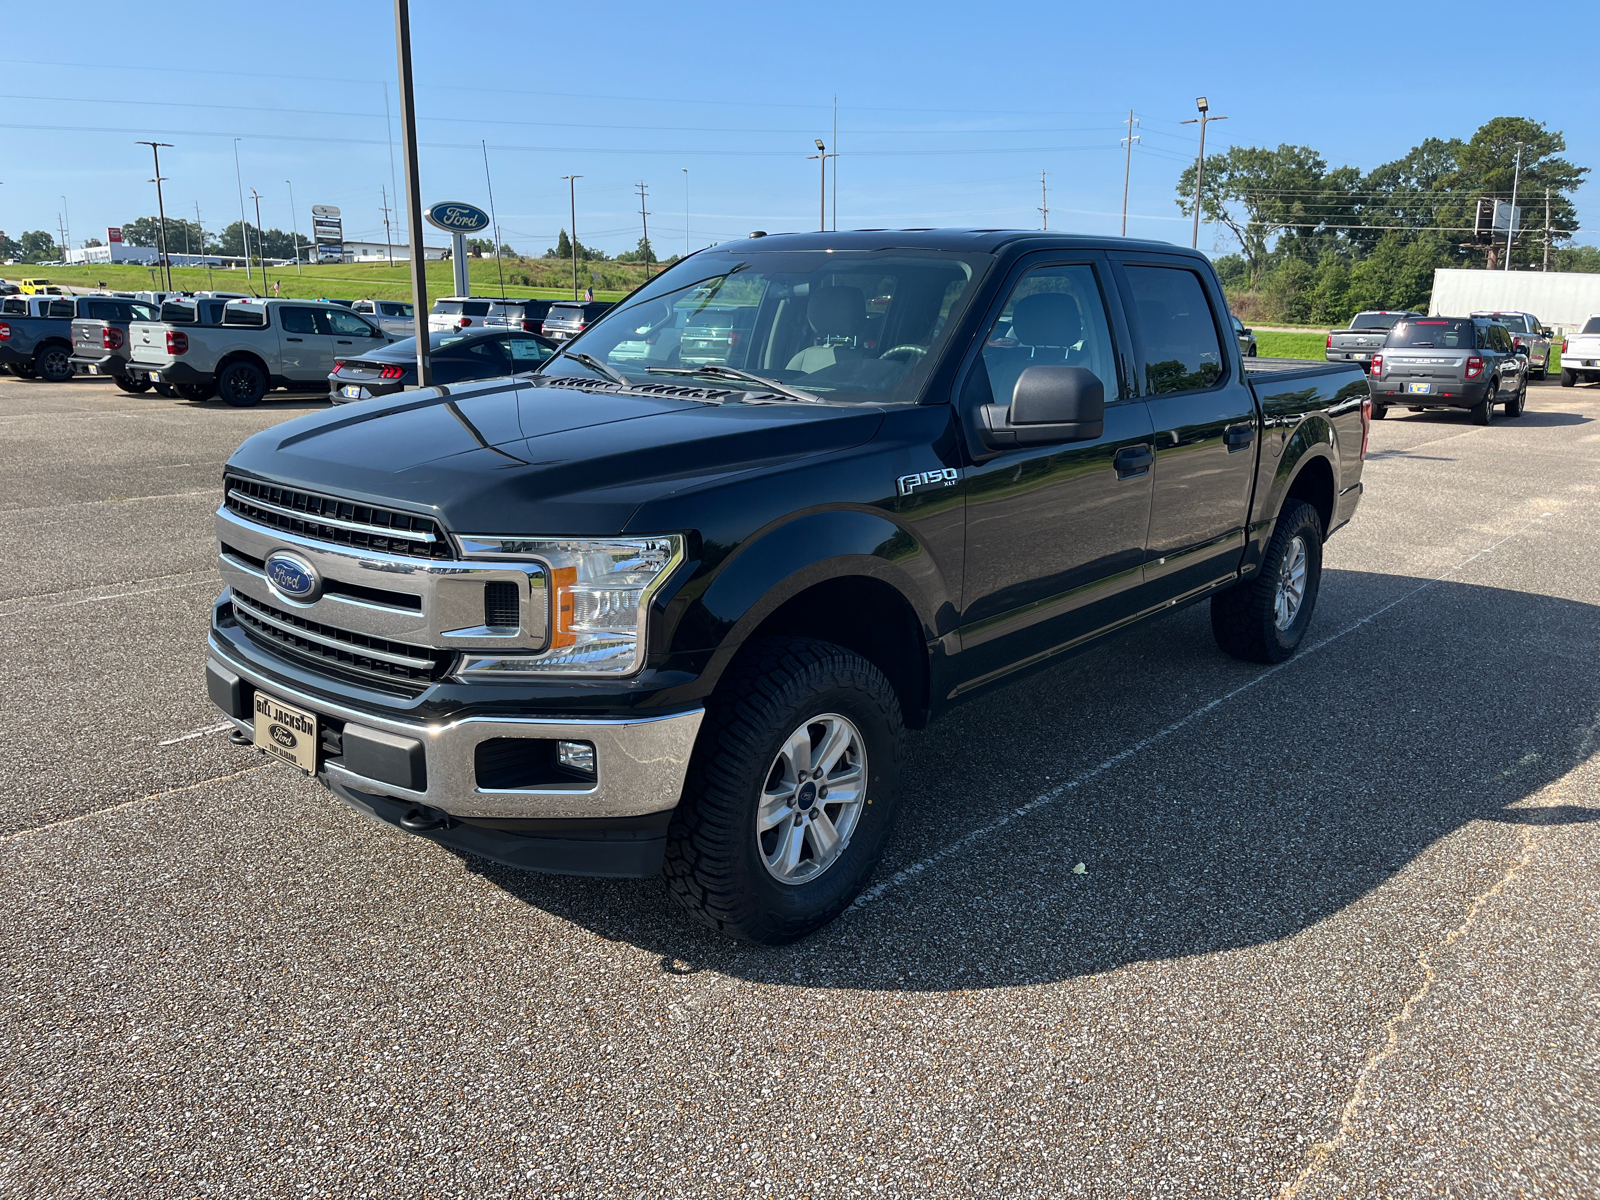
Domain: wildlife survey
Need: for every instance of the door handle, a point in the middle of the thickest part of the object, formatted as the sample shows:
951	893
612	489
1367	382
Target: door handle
1237	437
1133	461
289	339
346	342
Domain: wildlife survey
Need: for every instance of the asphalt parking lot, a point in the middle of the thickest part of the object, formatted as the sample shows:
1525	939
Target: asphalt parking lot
1334	933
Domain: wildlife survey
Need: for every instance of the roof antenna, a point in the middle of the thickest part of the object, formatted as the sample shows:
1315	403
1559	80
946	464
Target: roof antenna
495	221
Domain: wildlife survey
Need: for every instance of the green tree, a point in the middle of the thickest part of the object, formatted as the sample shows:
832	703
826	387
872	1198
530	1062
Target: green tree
274	243
1287	291
1488	164
38	246
478	247
183	237
563	249
1328	301
1576	258
642	253
1288	195
9	249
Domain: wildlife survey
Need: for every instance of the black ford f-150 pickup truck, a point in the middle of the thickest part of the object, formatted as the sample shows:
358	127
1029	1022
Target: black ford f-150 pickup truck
632	614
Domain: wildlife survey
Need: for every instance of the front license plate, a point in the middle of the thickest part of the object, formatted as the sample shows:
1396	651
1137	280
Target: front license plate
353	393
287	732
1418	389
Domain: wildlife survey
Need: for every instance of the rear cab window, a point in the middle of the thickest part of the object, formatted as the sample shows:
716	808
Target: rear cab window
242	314
1375	320
1179	347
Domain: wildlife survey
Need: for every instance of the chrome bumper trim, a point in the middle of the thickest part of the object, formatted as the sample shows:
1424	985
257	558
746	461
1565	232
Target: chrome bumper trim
641	761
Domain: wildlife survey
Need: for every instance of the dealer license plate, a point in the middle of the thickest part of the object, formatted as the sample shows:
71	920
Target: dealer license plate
1418	389
287	732
353	393
93	370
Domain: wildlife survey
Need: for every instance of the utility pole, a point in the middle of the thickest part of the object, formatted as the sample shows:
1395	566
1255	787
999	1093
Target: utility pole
1547	229
572	196
161	208
1200	163
644	220
1511	217
244	226
294	231
822	156
387	240
408	133
388	133
66	229
1127	170
61	232
686	250
260	244
1044	202
835	222
200	232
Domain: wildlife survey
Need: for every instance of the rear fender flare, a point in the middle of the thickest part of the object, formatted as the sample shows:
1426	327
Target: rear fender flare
776	565
1312	439
249	356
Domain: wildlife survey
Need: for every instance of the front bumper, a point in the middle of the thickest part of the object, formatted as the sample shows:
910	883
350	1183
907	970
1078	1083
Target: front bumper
640	761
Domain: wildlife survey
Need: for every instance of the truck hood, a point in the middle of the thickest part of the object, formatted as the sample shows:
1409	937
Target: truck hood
528	458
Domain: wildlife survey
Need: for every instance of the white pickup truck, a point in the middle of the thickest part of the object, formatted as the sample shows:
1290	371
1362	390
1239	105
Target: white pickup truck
260	344
1580	354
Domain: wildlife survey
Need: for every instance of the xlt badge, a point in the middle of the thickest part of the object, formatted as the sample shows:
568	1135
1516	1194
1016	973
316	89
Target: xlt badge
907	484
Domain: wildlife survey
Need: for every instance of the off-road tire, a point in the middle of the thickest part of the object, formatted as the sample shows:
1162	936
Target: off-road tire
1243	617
53	364
242	384
132	386
1568	378
712	866
196	391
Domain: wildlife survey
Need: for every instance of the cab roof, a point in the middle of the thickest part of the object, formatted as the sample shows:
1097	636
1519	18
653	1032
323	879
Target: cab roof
984	241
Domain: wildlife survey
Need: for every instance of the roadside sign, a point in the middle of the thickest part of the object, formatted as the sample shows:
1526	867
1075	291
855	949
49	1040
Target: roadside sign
113	235
325	210
456	217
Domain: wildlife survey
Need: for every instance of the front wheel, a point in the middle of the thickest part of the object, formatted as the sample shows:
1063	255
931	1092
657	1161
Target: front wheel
1568	378
790	792
1265	618
1380	411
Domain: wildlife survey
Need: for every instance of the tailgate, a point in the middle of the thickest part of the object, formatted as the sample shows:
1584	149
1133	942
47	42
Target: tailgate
89	338
147	344
1435	367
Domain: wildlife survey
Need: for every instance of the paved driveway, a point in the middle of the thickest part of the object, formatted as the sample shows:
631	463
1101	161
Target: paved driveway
1153	923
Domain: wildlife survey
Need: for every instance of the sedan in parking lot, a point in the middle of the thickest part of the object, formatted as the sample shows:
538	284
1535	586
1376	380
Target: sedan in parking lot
456	356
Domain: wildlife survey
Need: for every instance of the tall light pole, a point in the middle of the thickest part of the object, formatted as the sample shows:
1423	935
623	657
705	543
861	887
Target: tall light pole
66	228
572	196
161	208
1511	217
244	225
408	133
1200	162
822	156
260	244
686	243
295	233
1127	171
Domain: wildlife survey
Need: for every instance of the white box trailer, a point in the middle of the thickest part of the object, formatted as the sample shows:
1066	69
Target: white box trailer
1563	300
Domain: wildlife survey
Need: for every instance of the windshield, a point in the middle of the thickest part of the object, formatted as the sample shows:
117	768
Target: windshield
1515	322
1439	334
447	308
853	326
1375	320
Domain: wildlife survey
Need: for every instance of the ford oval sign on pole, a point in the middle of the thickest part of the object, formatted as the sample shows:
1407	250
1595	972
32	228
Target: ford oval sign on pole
458	220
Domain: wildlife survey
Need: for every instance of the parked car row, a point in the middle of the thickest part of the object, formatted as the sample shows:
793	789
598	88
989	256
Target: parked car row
557	319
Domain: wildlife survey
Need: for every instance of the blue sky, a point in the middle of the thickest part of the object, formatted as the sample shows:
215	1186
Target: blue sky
947	112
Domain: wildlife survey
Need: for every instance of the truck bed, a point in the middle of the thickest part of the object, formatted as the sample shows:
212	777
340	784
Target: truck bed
1292	367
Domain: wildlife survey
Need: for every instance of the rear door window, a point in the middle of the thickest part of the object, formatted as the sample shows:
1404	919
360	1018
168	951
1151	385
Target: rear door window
63	308
1179	350
105	310
347	324
299	320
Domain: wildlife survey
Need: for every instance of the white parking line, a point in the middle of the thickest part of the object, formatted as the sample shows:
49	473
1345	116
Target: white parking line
184	737
208	579
905	875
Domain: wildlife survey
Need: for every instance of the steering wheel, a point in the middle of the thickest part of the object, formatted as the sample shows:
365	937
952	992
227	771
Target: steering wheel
910	352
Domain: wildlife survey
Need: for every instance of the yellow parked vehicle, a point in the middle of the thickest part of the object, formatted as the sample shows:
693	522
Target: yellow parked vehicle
39	287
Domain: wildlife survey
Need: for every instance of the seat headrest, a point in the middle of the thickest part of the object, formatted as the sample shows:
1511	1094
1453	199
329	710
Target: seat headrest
837	312
1047	319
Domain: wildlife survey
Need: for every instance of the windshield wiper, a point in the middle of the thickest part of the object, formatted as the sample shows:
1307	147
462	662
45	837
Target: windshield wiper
715	369
595	365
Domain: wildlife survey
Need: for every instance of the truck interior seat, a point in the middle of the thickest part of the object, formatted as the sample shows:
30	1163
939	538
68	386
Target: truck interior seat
838	317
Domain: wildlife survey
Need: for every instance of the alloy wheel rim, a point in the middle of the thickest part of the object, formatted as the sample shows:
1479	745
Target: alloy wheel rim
811	799
1291	584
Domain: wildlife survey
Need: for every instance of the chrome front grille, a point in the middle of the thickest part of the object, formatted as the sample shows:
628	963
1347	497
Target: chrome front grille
342	522
326	646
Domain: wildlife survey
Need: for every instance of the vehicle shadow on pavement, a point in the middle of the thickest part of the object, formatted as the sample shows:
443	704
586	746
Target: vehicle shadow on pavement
1531	419
1247	824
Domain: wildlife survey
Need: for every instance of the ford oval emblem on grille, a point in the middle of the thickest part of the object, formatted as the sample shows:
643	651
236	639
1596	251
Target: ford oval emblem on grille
292	576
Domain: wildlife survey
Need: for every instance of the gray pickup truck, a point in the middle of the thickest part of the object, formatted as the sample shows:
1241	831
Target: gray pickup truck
1363	337
36	336
100	338
1528	336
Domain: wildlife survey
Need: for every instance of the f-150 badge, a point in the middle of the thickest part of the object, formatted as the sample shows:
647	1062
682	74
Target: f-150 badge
907	484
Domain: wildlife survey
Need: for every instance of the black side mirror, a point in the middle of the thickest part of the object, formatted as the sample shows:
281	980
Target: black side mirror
1048	404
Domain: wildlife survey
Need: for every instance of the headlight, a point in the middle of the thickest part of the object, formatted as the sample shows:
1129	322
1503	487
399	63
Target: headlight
600	593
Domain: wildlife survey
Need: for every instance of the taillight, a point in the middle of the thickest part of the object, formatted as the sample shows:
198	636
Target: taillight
392	372
1330	341
1366	422
177	342
5	332
1516	343
1563	341
1474	367
111	338
527	327
1377	365
464	322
